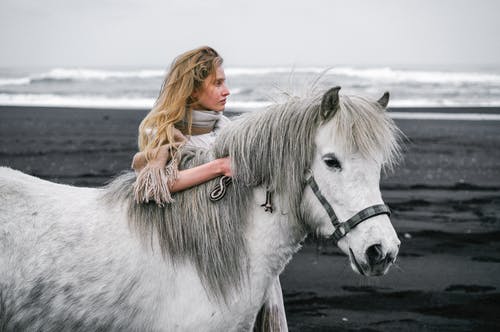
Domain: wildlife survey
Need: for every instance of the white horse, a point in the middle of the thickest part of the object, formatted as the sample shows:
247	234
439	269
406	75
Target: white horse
86	259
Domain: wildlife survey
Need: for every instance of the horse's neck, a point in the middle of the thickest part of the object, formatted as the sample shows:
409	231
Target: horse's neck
272	240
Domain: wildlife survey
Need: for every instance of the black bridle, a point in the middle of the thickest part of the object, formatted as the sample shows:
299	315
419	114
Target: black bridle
341	229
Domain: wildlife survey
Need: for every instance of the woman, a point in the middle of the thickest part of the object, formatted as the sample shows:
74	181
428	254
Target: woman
189	111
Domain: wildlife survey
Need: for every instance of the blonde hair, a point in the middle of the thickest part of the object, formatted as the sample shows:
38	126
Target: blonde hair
185	76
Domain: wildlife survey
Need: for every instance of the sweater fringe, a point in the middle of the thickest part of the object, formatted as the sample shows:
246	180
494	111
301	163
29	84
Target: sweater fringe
152	183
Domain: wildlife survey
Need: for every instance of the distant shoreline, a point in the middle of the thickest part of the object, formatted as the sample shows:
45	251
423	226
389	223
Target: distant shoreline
433	109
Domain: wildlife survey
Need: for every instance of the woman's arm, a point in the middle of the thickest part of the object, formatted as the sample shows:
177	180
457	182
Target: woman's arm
197	175
189	177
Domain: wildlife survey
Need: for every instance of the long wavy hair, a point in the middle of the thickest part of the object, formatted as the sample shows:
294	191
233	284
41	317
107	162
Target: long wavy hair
186	75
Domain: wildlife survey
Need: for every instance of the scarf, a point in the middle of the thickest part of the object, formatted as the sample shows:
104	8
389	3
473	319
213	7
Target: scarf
202	122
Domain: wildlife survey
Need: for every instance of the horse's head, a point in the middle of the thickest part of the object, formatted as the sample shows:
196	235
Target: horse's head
353	143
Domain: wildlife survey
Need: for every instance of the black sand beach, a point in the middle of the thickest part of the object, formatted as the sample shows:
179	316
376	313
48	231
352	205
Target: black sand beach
445	198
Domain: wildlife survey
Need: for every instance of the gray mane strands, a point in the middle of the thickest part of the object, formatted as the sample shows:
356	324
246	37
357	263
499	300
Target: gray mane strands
193	228
272	148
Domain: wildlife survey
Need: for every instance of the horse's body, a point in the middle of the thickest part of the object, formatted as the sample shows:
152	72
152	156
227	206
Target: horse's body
89	271
91	259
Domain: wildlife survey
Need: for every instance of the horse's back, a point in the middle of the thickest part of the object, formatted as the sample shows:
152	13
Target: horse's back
19	191
31	207
13	183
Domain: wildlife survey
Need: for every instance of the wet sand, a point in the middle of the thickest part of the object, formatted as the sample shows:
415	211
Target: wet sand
445	198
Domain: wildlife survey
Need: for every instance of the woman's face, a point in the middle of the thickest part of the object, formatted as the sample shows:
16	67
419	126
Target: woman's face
214	92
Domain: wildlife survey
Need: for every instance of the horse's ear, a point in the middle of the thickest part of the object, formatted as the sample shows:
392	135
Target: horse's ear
384	100
330	103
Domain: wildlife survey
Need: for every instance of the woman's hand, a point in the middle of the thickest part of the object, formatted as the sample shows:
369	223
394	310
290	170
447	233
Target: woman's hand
224	165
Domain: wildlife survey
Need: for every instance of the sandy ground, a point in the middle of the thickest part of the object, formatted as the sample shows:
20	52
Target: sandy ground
445	199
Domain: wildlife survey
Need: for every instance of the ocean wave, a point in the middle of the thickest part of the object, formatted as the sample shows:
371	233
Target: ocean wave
102	101
379	74
15	81
261	71
444	116
443	102
248	105
94	74
366	75
82	74
390	75
52	100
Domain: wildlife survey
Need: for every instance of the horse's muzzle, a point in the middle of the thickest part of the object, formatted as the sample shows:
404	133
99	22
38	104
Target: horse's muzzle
377	262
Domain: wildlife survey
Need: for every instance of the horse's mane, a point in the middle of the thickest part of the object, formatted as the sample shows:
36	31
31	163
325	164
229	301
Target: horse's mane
270	148
193	228
273	148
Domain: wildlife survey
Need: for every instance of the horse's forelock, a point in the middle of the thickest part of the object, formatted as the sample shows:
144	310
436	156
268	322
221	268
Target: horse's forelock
363	125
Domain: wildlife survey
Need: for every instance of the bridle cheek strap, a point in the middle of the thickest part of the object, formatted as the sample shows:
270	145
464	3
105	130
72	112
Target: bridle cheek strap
341	229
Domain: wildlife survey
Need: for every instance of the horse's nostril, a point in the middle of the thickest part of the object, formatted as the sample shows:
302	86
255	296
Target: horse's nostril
374	254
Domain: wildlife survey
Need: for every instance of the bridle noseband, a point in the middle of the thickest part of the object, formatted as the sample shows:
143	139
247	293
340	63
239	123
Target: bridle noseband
341	229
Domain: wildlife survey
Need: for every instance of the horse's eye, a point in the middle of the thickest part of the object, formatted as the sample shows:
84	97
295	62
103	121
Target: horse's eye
332	161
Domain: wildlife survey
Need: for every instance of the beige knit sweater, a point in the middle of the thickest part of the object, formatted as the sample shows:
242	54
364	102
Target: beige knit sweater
154	176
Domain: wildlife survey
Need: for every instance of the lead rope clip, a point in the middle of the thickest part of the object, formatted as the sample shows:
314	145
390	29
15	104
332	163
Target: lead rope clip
219	190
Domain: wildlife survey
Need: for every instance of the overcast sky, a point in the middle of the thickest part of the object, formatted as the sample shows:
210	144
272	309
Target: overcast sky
252	32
